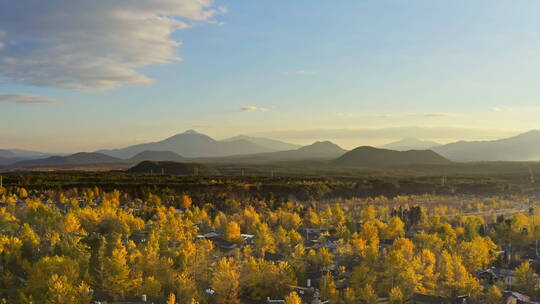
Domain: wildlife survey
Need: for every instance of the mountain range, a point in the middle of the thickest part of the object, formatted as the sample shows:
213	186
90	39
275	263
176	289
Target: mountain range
192	146
11	156
268	143
523	147
317	151
321	150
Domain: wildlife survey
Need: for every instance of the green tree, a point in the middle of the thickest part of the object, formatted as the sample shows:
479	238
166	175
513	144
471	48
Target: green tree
61	291
226	282
367	295
396	296
525	279
494	296
264	241
328	288
116	278
455	279
151	287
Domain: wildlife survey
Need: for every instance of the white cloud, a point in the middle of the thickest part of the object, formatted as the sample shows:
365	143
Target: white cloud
97	44
253	109
29	99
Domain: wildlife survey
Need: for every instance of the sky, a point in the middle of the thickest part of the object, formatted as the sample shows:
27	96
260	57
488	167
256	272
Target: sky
79	75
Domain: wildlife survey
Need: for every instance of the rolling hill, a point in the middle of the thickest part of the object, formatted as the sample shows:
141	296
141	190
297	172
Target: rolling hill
191	144
317	150
156	156
523	147
382	158
172	168
410	144
78	160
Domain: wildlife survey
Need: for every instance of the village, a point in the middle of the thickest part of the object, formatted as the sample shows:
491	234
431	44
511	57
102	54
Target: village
379	251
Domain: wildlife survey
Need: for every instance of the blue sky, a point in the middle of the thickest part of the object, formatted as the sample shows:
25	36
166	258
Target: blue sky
355	72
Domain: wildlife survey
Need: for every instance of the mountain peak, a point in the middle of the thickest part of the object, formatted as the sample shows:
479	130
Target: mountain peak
191	131
323	145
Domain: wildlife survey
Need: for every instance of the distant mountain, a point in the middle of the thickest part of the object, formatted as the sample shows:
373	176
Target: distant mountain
19	153
8	157
77	160
268	143
11	156
411	144
156	156
383	158
321	150
191	144
6	161
7	154
172	168
523	147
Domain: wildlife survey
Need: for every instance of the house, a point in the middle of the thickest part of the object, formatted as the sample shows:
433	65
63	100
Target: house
273	257
512	297
385	243
311	234
248	238
412	233
140	236
209	235
493	275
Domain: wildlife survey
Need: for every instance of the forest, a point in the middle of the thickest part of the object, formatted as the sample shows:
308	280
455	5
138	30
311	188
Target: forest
165	244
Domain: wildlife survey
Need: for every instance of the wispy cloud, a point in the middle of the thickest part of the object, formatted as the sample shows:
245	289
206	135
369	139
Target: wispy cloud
253	109
28	99
416	115
399	116
499	109
101	44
